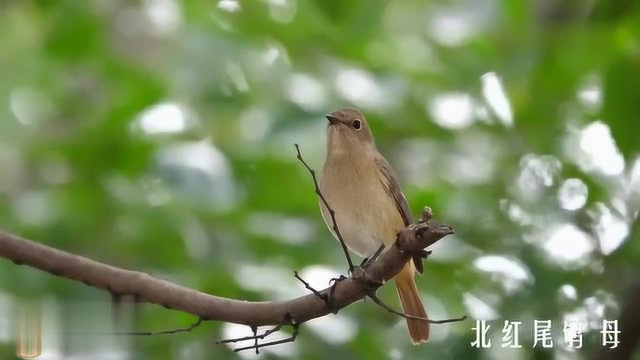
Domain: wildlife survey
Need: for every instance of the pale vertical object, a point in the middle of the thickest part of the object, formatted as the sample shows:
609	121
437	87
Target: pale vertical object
29	330
494	94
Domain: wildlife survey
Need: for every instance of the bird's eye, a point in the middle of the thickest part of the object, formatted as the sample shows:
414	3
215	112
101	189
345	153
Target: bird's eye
357	124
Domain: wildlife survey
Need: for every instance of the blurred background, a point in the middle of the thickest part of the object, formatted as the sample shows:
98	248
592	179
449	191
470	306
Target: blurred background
158	135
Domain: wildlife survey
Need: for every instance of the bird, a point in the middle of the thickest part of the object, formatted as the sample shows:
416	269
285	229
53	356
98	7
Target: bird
364	192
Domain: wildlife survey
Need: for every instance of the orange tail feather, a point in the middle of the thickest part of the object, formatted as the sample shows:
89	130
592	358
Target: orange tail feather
412	305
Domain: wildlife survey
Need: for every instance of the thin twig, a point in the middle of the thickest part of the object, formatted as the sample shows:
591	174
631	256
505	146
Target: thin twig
331	212
174	331
327	298
310	288
379	302
149	333
256	338
252	337
255	341
368	261
291	338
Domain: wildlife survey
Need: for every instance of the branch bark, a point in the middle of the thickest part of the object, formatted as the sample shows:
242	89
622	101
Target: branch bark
152	290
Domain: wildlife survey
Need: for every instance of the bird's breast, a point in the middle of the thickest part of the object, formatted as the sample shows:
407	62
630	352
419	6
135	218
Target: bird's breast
366	215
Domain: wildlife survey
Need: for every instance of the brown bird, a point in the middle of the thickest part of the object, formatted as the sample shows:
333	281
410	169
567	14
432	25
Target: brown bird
370	208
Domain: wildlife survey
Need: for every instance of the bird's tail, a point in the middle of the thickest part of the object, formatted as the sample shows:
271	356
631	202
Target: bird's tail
412	305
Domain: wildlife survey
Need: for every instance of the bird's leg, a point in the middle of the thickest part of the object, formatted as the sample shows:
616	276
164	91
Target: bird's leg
327	298
366	262
334	283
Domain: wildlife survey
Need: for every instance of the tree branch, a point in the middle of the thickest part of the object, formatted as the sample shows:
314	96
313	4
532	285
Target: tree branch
210	307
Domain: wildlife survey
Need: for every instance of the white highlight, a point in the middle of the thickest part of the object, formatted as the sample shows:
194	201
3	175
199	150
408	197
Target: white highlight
536	173
164	118
29	106
165	15
572	194
477	308
510	273
451	29
361	87
611	228
282	11
255	124
201	155
334	329
306	92
569	292
229	5
230	331
290	230
452	110
590	94
569	246
212	177
494	93
599	148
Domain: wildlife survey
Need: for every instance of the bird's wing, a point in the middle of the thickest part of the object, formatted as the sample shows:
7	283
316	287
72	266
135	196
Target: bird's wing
392	186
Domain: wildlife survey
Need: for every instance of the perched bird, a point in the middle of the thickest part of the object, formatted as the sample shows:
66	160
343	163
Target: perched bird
370	208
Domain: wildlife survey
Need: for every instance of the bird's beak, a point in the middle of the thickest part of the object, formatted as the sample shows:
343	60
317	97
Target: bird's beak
332	119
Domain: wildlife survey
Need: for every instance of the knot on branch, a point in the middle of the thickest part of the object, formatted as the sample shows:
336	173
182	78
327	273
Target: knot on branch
369	280
415	238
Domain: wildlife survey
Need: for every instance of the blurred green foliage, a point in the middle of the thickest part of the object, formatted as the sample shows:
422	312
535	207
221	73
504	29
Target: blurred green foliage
158	135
